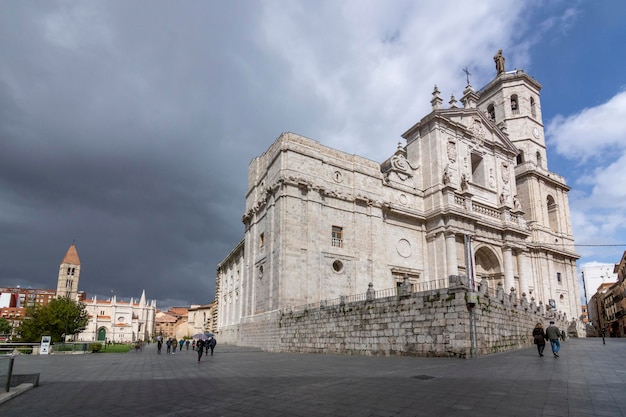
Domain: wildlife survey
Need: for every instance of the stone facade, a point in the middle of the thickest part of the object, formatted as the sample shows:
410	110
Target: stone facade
321	224
427	323
200	319
119	321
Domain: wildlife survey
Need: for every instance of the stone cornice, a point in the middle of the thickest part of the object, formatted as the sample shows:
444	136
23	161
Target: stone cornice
306	185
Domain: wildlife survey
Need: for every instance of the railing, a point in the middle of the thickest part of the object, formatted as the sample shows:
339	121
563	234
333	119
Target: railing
71	347
16	348
338	243
479	208
374	294
12	348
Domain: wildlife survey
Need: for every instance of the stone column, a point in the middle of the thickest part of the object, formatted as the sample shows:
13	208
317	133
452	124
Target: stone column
507	256
451	258
522	267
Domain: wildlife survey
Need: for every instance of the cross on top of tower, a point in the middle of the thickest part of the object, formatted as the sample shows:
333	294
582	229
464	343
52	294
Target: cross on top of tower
467	74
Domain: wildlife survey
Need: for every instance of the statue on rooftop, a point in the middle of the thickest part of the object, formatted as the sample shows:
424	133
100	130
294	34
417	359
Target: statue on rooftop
499	60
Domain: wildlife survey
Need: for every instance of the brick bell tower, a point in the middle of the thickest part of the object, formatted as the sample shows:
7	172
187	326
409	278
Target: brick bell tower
69	273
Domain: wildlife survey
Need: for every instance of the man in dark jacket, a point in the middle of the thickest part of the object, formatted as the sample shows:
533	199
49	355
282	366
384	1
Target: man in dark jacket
553	334
212	343
200	348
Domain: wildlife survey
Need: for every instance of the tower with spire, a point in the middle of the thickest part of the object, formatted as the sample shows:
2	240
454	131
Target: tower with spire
69	274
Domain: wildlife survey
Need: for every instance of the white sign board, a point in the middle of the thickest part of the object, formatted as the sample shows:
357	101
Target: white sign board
45	345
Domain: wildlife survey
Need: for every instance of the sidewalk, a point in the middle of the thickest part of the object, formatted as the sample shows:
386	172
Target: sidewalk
589	379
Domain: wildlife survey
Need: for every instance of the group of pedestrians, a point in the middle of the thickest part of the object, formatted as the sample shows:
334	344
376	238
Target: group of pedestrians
551	333
200	345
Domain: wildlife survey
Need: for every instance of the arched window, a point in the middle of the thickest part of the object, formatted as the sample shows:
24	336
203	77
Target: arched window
514	104
539	159
491	112
553	220
520	158
533	111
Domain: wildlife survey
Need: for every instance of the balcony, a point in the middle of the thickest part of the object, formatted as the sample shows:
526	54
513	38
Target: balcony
337	243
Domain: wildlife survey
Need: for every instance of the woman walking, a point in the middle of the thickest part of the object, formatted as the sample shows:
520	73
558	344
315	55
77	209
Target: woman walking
540	338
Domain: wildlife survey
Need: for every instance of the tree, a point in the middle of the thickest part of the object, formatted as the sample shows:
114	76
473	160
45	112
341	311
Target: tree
5	326
60	317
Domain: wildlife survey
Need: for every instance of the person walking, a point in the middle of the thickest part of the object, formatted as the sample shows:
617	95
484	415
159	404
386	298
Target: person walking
168	344
540	338
187	344
200	348
181	342
212	343
159	344
174	346
553	334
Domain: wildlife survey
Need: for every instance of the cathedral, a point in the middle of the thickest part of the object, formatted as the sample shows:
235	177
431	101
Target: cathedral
469	193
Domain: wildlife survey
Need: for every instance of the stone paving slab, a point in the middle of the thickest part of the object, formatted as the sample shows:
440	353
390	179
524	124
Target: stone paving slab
589	379
15	391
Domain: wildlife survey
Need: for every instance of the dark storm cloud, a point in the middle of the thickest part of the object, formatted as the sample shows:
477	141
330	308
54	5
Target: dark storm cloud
129	129
129	125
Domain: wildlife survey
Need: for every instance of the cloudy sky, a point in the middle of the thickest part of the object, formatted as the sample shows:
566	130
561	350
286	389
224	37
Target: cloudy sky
128	126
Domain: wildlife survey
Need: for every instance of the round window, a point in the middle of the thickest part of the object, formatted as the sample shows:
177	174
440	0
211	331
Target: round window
338	266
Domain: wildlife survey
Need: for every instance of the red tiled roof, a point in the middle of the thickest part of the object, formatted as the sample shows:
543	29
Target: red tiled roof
181	311
71	257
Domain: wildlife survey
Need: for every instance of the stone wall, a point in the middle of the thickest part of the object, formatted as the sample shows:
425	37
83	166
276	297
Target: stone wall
430	323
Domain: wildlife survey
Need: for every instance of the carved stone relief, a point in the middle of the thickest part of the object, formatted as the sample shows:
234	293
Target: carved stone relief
505	172
477	130
404	248
451	151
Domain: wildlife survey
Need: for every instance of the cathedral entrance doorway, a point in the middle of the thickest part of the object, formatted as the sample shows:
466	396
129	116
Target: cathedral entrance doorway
488	266
102	334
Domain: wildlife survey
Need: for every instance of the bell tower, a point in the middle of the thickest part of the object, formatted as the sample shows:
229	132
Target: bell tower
511	101
69	273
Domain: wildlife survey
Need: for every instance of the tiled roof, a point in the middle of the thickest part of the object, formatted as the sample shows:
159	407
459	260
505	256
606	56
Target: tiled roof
181	311
71	257
165	318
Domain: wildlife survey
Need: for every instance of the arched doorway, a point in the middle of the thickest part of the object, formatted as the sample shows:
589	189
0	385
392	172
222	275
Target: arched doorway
102	334
488	266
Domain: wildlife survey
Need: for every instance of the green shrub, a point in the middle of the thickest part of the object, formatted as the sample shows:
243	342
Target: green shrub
95	347
116	348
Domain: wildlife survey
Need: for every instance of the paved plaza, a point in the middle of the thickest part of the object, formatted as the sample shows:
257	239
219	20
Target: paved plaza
589	379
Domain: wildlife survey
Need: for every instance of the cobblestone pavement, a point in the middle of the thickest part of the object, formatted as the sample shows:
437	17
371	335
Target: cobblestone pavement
589	379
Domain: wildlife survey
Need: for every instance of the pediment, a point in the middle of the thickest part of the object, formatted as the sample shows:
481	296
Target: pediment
480	129
472	124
